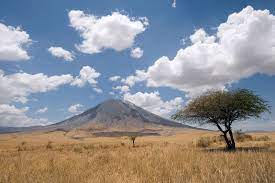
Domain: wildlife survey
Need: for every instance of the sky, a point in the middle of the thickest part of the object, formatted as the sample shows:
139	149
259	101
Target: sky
59	58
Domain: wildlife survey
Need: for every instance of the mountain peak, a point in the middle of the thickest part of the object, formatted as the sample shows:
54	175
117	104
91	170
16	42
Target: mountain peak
113	115
117	114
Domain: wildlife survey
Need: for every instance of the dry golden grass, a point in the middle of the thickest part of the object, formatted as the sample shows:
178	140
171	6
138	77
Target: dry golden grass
55	158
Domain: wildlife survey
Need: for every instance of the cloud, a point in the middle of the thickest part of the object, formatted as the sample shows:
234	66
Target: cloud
123	89
243	46
17	87
115	31
13	117
174	4
140	75
59	52
153	103
42	110
13	41
137	53
86	75
76	108
98	90
114	78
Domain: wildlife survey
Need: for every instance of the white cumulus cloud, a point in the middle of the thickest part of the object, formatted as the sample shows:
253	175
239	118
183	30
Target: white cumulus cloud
60	52
76	108
137	53
140	75
154	103
174	4
114	78
122	89
244	45
86	75
115	31
98	90
13	41
42	110
16	117
17	87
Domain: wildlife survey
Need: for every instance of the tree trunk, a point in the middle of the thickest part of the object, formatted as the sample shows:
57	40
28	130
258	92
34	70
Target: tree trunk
228	142
233	146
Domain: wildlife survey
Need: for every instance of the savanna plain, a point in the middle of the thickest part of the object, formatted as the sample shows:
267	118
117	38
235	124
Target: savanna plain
187	156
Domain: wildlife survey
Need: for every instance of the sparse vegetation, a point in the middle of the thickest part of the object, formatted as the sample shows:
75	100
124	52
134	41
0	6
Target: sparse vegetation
207	141
241	137
78	149
154	159
204	142
263	138
159	163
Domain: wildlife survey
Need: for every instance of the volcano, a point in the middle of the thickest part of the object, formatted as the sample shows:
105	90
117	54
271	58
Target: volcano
111	116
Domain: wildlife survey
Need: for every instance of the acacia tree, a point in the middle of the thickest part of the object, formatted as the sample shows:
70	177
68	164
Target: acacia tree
222	109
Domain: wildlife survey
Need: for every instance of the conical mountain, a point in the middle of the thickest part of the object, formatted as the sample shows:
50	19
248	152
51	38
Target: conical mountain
117	115
111	115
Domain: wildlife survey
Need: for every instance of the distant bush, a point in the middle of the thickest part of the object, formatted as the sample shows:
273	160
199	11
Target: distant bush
49	145
89	146
78	149
122	144
263	138
22	146
217	139
241	136
204	142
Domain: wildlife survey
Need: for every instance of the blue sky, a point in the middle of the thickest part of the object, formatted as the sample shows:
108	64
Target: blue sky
165	31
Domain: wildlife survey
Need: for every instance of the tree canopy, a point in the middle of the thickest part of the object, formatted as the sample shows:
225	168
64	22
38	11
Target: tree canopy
222	108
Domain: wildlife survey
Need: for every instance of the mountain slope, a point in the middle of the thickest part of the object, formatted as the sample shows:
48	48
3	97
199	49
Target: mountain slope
111	115
116	114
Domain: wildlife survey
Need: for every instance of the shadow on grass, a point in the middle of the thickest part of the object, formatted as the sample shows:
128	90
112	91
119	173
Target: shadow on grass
241	149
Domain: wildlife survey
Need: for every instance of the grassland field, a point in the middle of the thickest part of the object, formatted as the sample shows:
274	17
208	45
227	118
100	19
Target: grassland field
57	157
